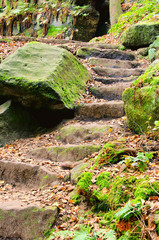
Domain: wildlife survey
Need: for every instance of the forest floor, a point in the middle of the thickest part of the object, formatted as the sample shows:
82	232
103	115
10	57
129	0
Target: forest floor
58	194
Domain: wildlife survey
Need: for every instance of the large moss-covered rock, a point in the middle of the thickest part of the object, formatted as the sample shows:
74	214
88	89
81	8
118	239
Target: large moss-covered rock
140	34
141	101
39	75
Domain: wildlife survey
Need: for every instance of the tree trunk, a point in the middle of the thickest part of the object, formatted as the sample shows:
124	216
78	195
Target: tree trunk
115	10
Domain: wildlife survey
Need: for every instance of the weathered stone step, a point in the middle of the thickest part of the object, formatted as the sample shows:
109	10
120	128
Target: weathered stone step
110	80
112	92
87	52
103	62
27	222
118	72
78	132
71	153
112	109
25	175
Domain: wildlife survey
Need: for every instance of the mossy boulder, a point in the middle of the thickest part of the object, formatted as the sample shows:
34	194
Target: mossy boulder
141	100
140	35
39	75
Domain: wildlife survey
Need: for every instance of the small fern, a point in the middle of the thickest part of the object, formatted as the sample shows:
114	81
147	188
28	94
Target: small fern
129	210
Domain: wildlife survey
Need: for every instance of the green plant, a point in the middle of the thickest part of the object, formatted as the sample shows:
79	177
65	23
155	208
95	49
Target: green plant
139	162
129	210
87	233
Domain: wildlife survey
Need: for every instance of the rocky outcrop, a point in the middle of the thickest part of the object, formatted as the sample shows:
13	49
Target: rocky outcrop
140	35
141	100
38	75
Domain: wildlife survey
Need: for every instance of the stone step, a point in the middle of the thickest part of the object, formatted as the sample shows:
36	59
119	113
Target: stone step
118	72
87	52
110	80
22	221
103	62
111	92
71	153
25	175
110	109
85	131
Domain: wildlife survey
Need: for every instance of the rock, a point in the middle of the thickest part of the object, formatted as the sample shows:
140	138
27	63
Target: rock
111	80
25	175
39	75
142	51
86	24
117	72
101	110
87	52
72	153
112	92
76	133
153	51
113	63
70	165
141	101
76	172
140	35
20	221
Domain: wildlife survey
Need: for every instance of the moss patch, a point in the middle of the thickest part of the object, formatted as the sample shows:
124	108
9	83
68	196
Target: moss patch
141	101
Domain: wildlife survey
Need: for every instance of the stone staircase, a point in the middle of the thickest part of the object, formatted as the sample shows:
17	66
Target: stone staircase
113	70
29	179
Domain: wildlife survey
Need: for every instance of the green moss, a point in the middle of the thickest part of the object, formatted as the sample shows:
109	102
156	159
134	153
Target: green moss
110	153
103	180
139	98
144	189
140	34
84	183
121	190
76	198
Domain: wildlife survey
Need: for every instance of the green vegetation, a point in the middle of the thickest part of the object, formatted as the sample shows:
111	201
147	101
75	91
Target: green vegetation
116	200
141	11
138	98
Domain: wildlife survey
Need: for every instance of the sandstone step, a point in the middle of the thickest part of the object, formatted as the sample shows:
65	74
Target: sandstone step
77	132
25	175
110	109
71	153
87	52
111	92
22	221
103	62
110	80
118	72
73	47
